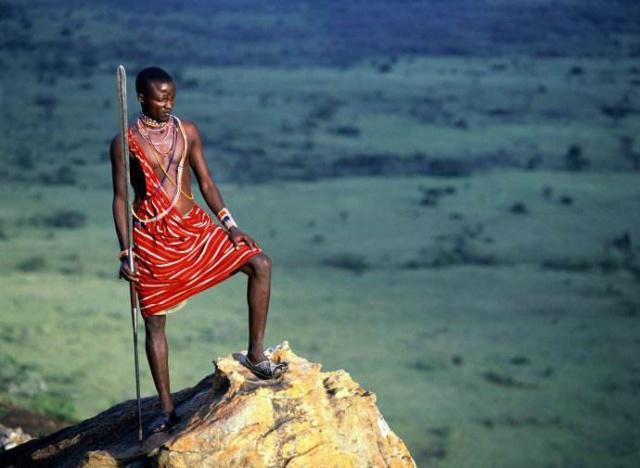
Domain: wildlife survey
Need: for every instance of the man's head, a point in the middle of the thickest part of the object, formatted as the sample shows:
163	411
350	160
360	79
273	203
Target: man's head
156	93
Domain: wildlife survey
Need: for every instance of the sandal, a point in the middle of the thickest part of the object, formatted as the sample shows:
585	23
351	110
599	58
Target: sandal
266	369
164	422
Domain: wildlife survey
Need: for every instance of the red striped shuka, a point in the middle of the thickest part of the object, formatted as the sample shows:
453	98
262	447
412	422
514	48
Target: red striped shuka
177	256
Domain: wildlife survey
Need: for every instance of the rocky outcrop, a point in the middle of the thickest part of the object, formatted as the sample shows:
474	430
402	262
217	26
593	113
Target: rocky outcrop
306	418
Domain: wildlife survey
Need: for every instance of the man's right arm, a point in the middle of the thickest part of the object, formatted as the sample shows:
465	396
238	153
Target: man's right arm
119	191
119	207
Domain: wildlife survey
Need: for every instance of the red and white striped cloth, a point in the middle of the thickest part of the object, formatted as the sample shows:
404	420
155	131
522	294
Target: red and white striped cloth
177	256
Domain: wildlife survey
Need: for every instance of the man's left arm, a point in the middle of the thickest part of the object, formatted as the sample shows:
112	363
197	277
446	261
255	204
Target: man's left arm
208	187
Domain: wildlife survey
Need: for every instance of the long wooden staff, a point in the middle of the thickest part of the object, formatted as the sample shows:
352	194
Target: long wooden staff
122	99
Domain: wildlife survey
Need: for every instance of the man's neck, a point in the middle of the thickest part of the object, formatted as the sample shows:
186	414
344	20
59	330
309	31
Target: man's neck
150	122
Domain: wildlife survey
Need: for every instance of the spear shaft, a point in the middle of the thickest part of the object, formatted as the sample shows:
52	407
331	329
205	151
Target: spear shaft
122	100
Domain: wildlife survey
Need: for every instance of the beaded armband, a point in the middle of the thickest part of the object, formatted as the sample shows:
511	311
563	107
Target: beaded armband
226	219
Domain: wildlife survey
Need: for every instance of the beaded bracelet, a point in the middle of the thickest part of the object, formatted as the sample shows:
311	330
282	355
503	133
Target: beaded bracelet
123	253
225	218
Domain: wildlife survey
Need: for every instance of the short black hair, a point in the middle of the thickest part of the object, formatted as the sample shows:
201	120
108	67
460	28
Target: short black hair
149	75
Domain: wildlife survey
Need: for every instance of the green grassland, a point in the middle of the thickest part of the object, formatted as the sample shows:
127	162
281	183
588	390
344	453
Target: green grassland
466	356
459	231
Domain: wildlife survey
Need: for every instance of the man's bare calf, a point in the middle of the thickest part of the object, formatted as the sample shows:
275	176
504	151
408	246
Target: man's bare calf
158	356
258	269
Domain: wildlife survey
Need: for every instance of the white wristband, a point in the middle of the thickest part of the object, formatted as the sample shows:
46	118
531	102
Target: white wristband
225	218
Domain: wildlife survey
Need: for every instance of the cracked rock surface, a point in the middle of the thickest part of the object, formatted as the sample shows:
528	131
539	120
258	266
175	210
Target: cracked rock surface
231	418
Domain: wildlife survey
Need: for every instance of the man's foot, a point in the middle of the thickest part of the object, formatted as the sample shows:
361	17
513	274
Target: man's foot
266	369
164	422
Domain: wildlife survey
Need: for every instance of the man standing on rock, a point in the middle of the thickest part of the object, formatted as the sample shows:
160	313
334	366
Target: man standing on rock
178	250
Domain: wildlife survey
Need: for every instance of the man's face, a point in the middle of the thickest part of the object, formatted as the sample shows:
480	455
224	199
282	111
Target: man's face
158	102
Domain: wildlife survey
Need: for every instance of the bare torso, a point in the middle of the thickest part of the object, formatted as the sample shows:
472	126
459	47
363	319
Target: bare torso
161	163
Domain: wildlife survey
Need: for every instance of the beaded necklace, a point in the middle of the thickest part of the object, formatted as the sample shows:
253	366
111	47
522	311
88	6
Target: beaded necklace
150	122
177	193
158	137
169	125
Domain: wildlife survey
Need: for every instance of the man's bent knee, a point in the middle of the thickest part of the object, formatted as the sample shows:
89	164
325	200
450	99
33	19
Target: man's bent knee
258	264
261	263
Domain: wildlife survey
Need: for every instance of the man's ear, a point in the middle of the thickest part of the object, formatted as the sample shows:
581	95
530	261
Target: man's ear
140	98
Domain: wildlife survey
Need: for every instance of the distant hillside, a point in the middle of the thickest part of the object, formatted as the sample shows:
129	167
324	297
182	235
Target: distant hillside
325	89
275	33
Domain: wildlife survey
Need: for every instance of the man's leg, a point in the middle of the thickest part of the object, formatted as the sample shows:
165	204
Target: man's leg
158	357
258	268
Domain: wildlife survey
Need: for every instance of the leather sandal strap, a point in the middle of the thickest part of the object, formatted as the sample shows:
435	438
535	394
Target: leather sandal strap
269	367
